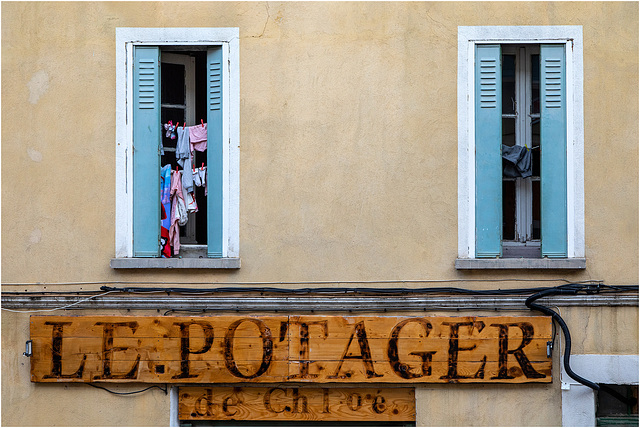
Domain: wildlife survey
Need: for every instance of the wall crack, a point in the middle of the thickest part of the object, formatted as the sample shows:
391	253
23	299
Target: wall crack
265	22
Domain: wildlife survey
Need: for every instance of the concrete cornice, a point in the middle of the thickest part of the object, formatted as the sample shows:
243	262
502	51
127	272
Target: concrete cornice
305	303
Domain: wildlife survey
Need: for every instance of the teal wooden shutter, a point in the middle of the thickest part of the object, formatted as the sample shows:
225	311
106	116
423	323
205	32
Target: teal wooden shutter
553	145
488	141
146	152
214	153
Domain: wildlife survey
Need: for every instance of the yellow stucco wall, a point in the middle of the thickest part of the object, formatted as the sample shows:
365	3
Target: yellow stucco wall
34	404
594	331
348	119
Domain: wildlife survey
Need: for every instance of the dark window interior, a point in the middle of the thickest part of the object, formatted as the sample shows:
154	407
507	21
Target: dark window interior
612	412
172	95
521	230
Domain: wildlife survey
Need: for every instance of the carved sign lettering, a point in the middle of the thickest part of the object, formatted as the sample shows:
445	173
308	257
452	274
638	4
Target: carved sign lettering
296	403
270	349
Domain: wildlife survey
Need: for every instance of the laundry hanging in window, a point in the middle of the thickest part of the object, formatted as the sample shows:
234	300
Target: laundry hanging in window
183	179
516	161
198	137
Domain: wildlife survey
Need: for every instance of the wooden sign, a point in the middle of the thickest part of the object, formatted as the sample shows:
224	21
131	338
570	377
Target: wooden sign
224	349
285	403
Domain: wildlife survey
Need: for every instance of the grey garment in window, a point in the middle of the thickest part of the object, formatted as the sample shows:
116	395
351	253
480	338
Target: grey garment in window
187	175
183	157
516	161
182	146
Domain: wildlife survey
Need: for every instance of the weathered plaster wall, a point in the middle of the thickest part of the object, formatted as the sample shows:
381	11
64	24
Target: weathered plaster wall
487	405
594	331
35	404
611	330
348	167
348	120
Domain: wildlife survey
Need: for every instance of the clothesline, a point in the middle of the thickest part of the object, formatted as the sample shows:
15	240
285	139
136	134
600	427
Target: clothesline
171	128
178	196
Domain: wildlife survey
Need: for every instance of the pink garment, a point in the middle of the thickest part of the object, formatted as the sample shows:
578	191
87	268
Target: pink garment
177	205
198	137
201	146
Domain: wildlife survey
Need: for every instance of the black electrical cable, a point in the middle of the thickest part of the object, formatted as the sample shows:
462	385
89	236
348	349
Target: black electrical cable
539	292
320	290
593	288
572	290
194	311
132	392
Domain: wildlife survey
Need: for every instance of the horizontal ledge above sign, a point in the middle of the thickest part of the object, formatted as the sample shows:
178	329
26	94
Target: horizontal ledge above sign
308	303
175	263
522	263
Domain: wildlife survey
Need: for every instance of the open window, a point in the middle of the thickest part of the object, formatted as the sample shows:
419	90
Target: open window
520	176
521	142
178	89
186	77
510	210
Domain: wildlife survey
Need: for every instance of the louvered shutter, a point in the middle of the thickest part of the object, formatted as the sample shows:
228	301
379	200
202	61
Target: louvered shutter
146	152
214	153
553	145
488	142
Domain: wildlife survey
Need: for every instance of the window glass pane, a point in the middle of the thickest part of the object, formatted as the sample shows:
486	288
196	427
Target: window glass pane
535	84
508	210
174	115
613	412
535	206
508	84
172	83
535	146
508	131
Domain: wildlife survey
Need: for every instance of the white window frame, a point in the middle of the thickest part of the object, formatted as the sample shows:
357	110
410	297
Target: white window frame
579	401
126	38
468	38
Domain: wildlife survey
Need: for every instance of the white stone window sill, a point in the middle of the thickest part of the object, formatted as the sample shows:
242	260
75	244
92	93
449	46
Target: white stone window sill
175	263
522	263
